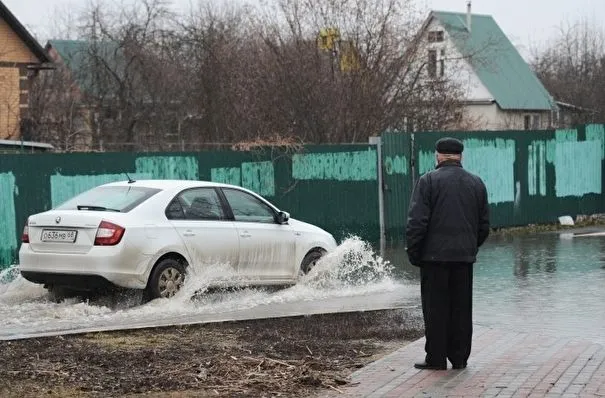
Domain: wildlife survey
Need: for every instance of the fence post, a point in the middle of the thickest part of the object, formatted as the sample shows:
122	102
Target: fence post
378	142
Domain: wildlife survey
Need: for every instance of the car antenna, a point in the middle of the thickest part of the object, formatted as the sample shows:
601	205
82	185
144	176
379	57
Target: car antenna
130	180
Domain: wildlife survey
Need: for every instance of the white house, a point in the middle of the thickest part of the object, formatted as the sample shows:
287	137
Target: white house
501	92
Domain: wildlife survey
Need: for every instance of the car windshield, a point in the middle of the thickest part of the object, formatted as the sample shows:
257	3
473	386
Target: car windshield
110	198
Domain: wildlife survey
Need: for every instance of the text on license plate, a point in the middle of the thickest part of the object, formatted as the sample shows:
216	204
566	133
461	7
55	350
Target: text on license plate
59	235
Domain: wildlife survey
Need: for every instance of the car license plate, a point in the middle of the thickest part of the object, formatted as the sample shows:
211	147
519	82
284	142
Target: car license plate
59	235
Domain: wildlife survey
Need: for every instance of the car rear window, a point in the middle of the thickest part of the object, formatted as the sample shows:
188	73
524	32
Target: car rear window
112	198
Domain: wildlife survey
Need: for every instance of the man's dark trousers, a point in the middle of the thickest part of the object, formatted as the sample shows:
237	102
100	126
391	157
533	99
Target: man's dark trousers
447	297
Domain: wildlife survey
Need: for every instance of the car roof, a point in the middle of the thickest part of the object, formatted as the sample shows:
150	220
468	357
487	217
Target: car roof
170	184
179	185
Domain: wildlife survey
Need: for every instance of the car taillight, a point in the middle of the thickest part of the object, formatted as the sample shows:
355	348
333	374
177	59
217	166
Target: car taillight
108	234
25	235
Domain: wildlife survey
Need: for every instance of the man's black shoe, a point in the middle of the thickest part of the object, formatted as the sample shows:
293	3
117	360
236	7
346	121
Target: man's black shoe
458	366
424	365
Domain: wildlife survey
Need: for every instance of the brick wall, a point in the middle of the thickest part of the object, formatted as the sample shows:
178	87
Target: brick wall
12	48
9	103
14	82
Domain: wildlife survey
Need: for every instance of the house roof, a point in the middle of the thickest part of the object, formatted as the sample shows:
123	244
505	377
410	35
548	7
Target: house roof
23	33
496	62
80	57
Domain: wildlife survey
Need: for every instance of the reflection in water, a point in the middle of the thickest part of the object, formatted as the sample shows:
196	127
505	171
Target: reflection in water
534	255
601	241
545	282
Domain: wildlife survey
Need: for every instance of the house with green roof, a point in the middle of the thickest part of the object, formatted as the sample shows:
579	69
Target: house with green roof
110	84
84	86
500	90
87	62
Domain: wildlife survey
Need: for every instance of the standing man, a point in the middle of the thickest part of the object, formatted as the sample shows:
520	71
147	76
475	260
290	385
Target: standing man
448	220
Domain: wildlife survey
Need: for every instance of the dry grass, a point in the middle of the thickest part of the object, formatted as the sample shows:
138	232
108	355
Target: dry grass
287	357
597	220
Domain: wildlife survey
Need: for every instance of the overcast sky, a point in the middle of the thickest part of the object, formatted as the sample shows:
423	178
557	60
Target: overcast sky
528	23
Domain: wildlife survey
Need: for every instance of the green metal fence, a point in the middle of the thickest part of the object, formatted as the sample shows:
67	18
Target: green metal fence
334	187
531	176
398	180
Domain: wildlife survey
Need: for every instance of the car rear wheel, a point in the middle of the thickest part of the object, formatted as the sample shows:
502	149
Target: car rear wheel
311	260
57	294
166	279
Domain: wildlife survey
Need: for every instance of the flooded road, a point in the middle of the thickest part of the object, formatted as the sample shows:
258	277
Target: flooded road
547	282
352	278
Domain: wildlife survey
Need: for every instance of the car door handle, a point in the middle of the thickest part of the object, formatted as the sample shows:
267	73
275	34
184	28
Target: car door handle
188	233
297	234
245	234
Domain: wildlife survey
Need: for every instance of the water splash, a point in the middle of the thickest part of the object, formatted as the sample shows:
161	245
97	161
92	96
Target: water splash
351	270
14	288
8	275
353	263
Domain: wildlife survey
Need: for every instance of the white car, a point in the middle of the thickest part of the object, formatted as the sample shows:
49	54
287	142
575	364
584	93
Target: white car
144	235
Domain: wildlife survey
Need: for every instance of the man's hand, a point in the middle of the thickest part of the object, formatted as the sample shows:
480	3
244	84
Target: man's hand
413	257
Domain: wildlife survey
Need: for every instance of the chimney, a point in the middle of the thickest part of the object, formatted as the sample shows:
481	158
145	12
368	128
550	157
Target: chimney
468	16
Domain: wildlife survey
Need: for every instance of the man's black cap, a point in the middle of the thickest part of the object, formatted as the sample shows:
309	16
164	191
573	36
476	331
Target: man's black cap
449	145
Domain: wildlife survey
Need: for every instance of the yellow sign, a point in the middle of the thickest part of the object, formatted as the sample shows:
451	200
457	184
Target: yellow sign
328	39
349	57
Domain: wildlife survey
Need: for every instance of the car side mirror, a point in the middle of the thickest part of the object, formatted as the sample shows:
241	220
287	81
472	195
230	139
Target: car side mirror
283	217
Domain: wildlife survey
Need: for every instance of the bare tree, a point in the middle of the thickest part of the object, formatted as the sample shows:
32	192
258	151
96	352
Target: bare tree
363	79
572	68
121	86
135	78
58	114
289	72
215	42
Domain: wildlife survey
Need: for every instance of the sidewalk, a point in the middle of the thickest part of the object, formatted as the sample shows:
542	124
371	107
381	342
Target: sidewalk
502	364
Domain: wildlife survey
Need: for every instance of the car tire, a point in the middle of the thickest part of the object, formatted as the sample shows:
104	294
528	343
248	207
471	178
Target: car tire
310	260
57	294
166	279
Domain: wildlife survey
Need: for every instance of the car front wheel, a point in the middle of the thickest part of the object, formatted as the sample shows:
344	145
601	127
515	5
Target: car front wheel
311	260
166	279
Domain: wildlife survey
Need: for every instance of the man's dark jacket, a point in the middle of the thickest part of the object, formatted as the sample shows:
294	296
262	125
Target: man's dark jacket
448	218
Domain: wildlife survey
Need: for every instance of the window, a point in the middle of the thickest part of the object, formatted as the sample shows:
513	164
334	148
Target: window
112	198
536	122
175	211
196	204
442	64
555	119
248	208
532	122
432	63
436	36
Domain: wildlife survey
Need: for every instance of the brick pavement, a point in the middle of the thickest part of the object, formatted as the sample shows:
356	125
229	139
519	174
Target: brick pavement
503	364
